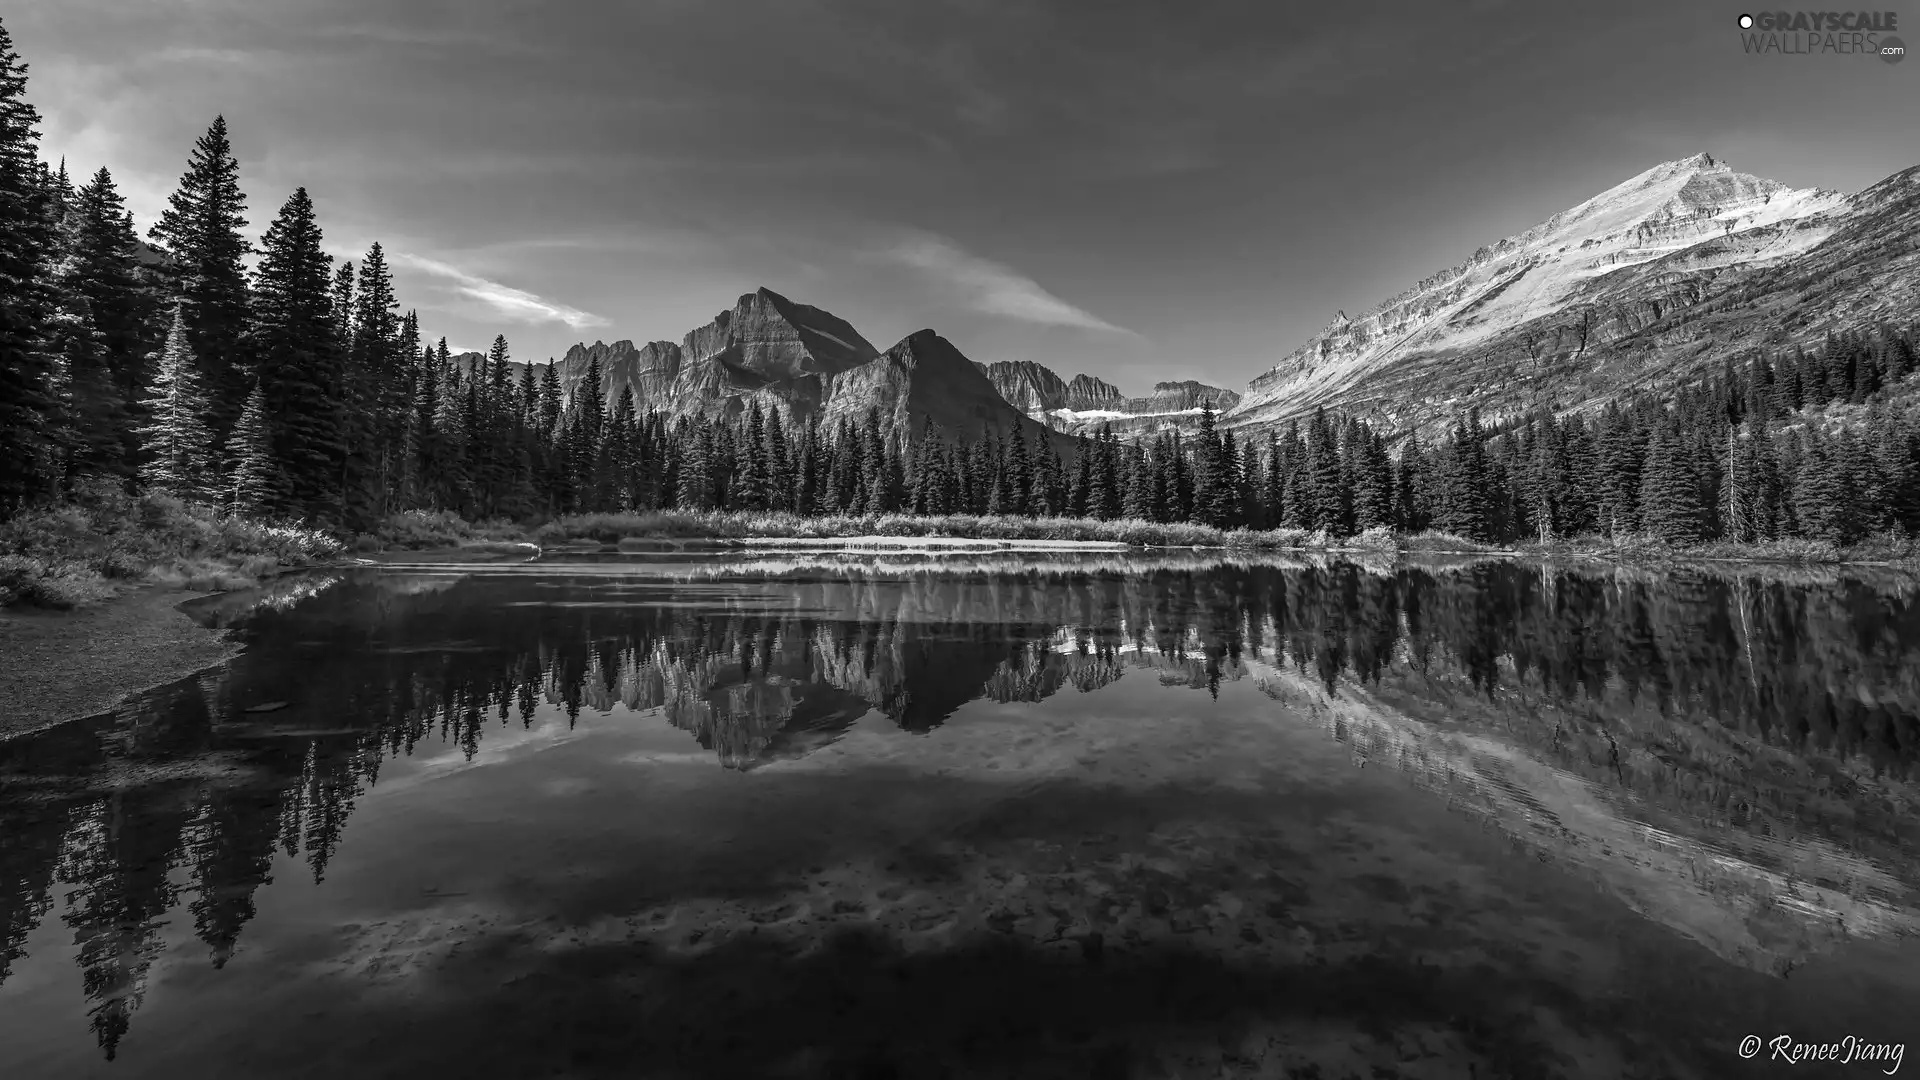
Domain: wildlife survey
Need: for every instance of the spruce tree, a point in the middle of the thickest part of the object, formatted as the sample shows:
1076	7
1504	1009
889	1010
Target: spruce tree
1273	501
1138	501
91	416
256	484
1019	475
1462	488
779	464
27	402
1229	495
756	483
1079	496
376	372
1411	495
1373	499
203	229
101	264
1670	504
1207	479
1823	504
294	344
176	441
1332	498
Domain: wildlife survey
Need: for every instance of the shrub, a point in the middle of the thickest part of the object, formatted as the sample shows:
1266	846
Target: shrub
71	554
415	530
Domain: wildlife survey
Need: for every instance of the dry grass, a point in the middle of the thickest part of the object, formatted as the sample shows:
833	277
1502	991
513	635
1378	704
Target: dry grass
420	530
677	525
84	551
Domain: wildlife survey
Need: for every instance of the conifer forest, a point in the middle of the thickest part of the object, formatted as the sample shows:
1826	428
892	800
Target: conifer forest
270	379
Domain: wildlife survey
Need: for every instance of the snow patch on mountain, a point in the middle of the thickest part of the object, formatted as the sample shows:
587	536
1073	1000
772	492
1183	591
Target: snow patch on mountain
1662	212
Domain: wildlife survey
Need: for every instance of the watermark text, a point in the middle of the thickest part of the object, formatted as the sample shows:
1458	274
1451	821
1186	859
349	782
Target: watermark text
1790	1050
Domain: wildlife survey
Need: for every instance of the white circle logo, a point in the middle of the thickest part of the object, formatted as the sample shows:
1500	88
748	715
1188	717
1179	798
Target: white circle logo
1746	22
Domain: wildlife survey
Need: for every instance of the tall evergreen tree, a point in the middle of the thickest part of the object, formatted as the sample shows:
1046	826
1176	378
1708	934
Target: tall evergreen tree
1670	504
257	483
27	402
203	229
101	264
297	351
178	446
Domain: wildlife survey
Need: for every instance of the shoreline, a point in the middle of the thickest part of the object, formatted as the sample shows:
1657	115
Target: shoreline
63	666
68	665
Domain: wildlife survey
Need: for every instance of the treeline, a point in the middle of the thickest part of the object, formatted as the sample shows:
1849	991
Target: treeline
285	387
299	388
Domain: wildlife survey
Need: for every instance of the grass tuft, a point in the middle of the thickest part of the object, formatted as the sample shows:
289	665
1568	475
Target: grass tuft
84	551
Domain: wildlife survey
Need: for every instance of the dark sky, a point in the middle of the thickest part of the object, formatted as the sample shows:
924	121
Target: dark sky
1139	191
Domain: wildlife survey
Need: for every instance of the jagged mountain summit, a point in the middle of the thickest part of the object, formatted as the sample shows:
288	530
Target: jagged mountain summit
1644	284
806	361
1084	404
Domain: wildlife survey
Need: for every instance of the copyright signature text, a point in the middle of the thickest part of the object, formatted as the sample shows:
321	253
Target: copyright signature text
1792	1051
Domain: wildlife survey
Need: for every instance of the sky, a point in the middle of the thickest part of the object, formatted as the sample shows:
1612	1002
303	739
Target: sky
1136	191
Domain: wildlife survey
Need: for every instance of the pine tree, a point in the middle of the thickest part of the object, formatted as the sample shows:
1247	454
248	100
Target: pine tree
1229	499
376	375
1670	504
101	266
27	401
178	446
1332	497
756	483
1019	475
1079	497
779	465
621	452
694	489
1411	496
1373	495
1207	480
257	481
1823	504
1622	454
1138	502
1462	488
203	228
298	356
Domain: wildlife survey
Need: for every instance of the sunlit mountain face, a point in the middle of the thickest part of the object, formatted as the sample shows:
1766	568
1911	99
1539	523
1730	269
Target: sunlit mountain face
436	782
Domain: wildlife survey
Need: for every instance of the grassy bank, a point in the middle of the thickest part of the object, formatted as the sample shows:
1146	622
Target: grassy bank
1886	549
439	530
680	525
104	541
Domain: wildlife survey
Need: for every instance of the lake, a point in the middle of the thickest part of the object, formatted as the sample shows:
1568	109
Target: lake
1076	816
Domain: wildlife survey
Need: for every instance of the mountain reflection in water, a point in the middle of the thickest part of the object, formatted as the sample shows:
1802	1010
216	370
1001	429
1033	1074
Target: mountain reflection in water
1732	757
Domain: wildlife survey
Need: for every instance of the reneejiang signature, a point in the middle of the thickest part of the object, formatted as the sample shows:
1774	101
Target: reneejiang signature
1793	1051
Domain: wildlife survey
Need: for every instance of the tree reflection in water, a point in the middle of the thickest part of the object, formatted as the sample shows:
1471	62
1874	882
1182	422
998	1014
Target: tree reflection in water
1661	686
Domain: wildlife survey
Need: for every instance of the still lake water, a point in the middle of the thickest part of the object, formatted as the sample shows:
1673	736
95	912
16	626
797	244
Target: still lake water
905	817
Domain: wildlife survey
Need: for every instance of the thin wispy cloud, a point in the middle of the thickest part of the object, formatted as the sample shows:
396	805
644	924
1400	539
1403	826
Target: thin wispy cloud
991	287
505	300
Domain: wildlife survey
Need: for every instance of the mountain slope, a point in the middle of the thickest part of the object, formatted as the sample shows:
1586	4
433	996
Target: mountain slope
805	361
924	378
1641	285
1086	403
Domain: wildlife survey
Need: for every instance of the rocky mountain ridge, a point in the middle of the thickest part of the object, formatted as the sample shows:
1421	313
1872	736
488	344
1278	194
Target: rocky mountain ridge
1646	284
1086	403
805	361
1643	285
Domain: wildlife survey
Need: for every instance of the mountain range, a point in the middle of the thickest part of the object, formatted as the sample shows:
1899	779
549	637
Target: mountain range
1650	282
1646	284
768	350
